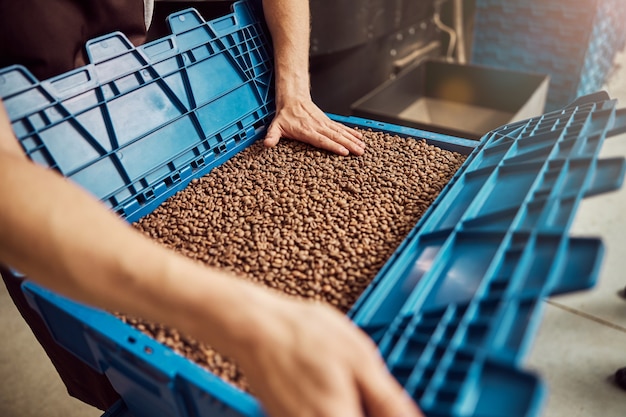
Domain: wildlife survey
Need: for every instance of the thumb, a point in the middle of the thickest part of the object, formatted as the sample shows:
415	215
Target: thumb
272	137
384	397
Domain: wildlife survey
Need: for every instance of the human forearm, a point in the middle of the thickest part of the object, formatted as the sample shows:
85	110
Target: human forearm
297	117
289	24
63	239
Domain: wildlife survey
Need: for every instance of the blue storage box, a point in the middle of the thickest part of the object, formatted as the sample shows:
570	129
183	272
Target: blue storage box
452	311
575	42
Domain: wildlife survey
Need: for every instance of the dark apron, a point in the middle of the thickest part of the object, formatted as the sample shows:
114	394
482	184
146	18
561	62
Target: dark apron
48	37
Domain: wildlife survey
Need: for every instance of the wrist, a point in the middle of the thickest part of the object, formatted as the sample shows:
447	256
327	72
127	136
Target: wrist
292	88
250	322
207	304
223	311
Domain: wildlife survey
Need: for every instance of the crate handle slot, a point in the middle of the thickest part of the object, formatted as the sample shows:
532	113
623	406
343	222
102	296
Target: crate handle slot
240	17
224	26
67	84
160	48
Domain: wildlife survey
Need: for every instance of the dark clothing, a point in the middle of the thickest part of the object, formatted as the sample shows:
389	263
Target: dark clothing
48	37
81	381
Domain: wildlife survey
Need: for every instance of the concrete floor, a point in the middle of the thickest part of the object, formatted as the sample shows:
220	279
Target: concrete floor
31	387
581	342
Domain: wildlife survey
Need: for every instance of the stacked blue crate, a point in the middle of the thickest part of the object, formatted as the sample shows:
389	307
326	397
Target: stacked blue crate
452	311
573	41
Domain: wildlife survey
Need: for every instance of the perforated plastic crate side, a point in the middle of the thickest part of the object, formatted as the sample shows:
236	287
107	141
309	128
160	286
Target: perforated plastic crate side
135	125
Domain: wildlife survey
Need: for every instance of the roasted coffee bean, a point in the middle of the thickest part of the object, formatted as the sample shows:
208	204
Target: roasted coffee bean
299	220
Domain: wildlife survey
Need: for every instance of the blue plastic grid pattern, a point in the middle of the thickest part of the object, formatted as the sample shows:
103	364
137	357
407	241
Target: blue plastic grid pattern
204	94
453	313
573	41
453	309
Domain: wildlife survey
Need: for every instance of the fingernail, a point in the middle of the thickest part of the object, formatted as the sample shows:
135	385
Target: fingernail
344	151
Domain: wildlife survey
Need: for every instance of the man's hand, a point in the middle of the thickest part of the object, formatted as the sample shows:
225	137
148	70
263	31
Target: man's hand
302	120
297	117
307	359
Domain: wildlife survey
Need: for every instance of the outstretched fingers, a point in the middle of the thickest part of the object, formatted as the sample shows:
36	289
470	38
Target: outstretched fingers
305	122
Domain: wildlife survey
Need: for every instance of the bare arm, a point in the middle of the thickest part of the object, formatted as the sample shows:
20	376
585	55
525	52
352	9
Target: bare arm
297	116
301	358
61	237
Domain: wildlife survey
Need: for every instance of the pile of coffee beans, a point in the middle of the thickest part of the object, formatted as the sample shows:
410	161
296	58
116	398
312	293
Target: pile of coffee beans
199	353
300	220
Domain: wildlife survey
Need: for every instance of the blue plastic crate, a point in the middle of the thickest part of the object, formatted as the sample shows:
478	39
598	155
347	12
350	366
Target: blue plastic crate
454	313
454	308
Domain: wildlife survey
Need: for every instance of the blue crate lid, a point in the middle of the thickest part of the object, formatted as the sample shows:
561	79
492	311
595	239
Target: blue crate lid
454	308
139	123
454	312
